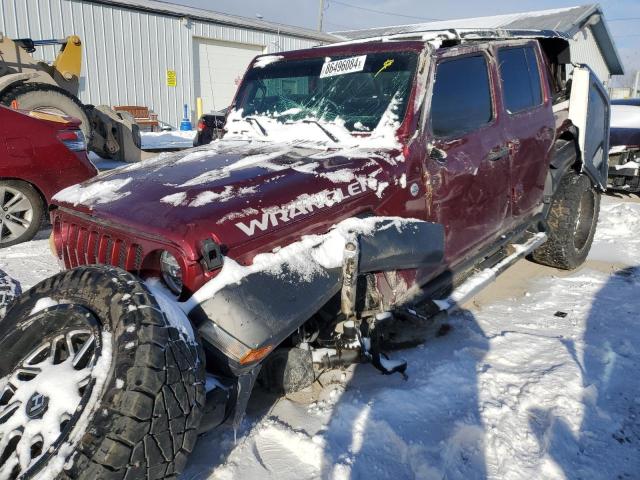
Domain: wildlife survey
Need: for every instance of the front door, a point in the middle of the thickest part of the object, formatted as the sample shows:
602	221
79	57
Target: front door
467	166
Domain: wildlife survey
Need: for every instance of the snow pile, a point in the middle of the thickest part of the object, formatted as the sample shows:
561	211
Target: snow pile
93	193
171	139
308	257
617	237
173	313
44	303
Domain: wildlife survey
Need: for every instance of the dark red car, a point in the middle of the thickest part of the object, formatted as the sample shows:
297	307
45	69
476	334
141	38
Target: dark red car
40	154
359	190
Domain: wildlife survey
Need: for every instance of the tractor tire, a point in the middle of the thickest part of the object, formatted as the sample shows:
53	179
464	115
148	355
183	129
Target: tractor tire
96	382
9	290
572	221
21	212
43	97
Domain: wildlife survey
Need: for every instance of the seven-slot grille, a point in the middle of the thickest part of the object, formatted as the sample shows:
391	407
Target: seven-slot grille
83	245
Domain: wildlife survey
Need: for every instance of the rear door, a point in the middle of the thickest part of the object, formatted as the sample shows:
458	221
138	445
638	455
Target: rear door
467	167
529	125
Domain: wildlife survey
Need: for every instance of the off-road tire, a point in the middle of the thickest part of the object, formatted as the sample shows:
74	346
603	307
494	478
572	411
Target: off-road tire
37	204
145	421
9	290
40	96
572	221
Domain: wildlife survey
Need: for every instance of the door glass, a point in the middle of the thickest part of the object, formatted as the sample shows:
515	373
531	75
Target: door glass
520	78
461	99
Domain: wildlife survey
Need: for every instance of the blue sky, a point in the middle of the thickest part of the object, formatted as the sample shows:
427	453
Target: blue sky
623	16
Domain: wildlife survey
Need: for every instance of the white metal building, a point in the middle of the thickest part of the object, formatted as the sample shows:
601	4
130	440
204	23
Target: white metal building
591	42
134	48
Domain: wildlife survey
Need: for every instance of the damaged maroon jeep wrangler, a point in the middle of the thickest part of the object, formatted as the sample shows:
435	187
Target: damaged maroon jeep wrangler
361	191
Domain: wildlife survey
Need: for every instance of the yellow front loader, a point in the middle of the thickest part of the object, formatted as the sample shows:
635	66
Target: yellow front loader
27	83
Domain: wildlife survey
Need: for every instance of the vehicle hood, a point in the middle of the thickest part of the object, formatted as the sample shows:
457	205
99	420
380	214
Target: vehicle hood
210	190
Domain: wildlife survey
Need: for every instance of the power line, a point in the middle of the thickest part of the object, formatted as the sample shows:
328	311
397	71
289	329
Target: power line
622	19
344	4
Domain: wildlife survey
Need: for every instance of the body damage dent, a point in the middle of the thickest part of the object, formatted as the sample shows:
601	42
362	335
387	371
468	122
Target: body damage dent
283	301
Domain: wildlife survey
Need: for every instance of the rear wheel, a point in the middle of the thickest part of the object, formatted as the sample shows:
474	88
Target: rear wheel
43	97
21	212
95	382
572	221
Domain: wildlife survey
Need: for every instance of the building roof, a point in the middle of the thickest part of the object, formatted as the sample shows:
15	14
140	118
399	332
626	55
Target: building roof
174	10
566	21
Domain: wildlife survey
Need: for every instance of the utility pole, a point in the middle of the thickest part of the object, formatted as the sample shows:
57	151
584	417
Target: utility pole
321	15
636	84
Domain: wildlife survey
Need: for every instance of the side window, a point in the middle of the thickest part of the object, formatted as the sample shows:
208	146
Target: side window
520	78
461	99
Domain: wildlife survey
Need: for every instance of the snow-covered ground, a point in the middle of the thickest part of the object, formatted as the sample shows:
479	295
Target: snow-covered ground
536	379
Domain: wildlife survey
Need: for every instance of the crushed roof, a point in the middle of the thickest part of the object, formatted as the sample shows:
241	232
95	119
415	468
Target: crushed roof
565	21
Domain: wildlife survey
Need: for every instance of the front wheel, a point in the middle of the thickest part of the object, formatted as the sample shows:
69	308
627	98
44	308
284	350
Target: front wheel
572	221
96	382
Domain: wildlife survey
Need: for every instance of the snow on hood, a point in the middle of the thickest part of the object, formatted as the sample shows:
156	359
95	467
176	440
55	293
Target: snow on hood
308	257
245	147
90	194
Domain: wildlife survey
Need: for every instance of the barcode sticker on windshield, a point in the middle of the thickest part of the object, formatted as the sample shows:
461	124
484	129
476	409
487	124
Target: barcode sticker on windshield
340	67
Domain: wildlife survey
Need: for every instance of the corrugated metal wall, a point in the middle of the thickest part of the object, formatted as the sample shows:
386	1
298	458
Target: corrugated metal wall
127	53
584	49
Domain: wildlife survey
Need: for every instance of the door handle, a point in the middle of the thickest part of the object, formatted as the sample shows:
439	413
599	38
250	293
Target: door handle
498	153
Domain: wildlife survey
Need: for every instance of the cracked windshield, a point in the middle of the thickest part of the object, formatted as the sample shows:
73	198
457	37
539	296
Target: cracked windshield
354	91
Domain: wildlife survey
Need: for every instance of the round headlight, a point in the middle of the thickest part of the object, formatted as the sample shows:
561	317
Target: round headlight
171	272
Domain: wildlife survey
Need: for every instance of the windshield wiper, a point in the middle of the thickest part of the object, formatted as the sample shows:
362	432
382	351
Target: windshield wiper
255	120
327	132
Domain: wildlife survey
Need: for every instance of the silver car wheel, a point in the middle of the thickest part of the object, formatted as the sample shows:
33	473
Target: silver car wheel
16	214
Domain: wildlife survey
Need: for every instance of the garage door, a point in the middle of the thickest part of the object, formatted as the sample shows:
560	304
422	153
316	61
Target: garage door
218	69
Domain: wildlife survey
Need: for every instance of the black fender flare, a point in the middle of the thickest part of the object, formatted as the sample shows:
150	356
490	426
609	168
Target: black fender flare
264	308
